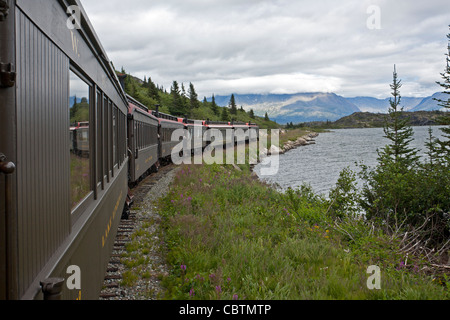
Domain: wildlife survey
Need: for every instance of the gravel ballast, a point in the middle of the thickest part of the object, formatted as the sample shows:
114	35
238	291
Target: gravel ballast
137	263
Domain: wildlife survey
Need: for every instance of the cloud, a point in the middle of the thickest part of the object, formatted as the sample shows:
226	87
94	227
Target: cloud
276	46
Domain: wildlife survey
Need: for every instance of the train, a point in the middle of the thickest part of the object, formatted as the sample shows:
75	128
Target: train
72	145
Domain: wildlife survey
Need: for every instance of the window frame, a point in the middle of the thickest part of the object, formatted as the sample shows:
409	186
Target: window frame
80	207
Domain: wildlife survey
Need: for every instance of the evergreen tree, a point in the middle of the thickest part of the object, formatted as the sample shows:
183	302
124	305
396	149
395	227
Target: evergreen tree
233	108
183	90
130	86
214	106
153	91
251	114
398	131
431	146
225	116
266	117
193	97
184	99
445	144
388	191
177	106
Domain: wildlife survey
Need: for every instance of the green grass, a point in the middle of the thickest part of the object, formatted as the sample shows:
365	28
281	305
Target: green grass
292	135
239	238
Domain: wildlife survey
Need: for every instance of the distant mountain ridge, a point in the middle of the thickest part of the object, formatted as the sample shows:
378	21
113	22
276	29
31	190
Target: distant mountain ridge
317	106
374	105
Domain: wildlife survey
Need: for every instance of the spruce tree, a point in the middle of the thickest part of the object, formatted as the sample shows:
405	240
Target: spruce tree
193	97
233	108
266	117
388	191
445	144
177	106
398	130
214	106
153	91
225	116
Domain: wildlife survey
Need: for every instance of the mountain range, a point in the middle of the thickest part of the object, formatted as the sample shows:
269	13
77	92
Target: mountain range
317	106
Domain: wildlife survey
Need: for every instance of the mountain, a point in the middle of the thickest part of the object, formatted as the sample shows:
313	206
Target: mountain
374	105
429	104
300	107
308	107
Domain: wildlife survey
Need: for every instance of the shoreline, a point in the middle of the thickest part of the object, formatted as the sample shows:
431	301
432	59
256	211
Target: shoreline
305	140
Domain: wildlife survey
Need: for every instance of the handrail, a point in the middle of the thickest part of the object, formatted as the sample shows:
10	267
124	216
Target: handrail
8	168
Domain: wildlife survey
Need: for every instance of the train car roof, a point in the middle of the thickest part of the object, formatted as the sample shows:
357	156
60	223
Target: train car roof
163	117
190	122
219	126
88	30
136	103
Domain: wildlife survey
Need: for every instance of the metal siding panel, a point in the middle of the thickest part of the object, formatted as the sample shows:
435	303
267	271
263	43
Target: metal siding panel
43	182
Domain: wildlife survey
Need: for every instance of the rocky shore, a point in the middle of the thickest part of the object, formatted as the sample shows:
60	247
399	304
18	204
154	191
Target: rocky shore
302	141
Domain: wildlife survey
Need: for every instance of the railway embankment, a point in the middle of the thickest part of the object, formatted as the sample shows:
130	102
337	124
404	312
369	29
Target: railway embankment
138	262
218	232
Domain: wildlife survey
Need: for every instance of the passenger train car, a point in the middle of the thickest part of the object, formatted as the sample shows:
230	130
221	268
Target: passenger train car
167	125
79	139
71	144
60	203
143	140
196	130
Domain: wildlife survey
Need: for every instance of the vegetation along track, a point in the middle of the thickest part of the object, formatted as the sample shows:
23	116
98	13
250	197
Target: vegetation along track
136	264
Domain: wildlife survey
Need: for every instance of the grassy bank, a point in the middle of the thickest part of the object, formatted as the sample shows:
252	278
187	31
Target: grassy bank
230	236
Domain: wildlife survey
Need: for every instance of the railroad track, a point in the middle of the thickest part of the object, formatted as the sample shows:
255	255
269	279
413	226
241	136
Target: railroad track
111	286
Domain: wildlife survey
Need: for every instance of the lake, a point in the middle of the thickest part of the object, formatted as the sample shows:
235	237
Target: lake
320	165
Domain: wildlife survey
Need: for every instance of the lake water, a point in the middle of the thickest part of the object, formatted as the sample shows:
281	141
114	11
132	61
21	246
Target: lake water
320	165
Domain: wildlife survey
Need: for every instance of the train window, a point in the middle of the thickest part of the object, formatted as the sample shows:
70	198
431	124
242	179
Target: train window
114	136
99	178
105	138
79	111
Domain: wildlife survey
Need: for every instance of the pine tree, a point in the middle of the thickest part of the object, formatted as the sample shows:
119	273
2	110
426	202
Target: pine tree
233	108
266	117
251	114
445	145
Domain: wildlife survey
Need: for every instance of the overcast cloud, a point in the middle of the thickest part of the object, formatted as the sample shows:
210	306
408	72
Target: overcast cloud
277	46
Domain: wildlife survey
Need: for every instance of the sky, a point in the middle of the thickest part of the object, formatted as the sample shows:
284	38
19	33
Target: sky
348	47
